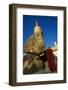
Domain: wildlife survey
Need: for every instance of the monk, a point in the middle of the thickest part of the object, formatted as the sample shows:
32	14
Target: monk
51	61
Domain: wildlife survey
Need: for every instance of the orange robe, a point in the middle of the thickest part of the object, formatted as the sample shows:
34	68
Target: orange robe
51	62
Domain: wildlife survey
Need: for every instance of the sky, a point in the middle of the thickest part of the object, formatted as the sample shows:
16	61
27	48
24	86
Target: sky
48	25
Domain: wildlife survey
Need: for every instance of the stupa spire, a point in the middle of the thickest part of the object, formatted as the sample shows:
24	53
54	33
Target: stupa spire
37	28
36	23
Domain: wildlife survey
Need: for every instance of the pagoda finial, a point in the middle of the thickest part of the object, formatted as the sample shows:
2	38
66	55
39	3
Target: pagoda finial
36	23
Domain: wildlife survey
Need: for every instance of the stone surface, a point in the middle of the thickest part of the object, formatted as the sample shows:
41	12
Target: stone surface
32	64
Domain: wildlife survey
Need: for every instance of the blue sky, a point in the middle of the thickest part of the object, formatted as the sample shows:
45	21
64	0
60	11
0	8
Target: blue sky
48	25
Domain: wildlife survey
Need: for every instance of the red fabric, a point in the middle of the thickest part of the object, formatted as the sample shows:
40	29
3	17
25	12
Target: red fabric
51	62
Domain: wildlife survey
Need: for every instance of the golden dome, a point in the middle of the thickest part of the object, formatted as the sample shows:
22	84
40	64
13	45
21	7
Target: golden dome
37	28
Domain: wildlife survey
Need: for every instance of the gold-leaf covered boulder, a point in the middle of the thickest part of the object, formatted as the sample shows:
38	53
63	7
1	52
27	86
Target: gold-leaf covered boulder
35	43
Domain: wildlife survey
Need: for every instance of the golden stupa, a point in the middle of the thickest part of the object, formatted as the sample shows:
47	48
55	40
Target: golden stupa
35	43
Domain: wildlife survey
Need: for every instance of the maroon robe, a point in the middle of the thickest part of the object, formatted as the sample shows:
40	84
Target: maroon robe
51	62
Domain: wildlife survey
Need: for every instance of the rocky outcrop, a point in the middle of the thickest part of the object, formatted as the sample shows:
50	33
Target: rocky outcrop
32	64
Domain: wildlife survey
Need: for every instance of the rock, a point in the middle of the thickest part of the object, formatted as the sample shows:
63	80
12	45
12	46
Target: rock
31	64
35	43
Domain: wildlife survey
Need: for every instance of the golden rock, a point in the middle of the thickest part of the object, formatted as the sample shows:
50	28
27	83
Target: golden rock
35	43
